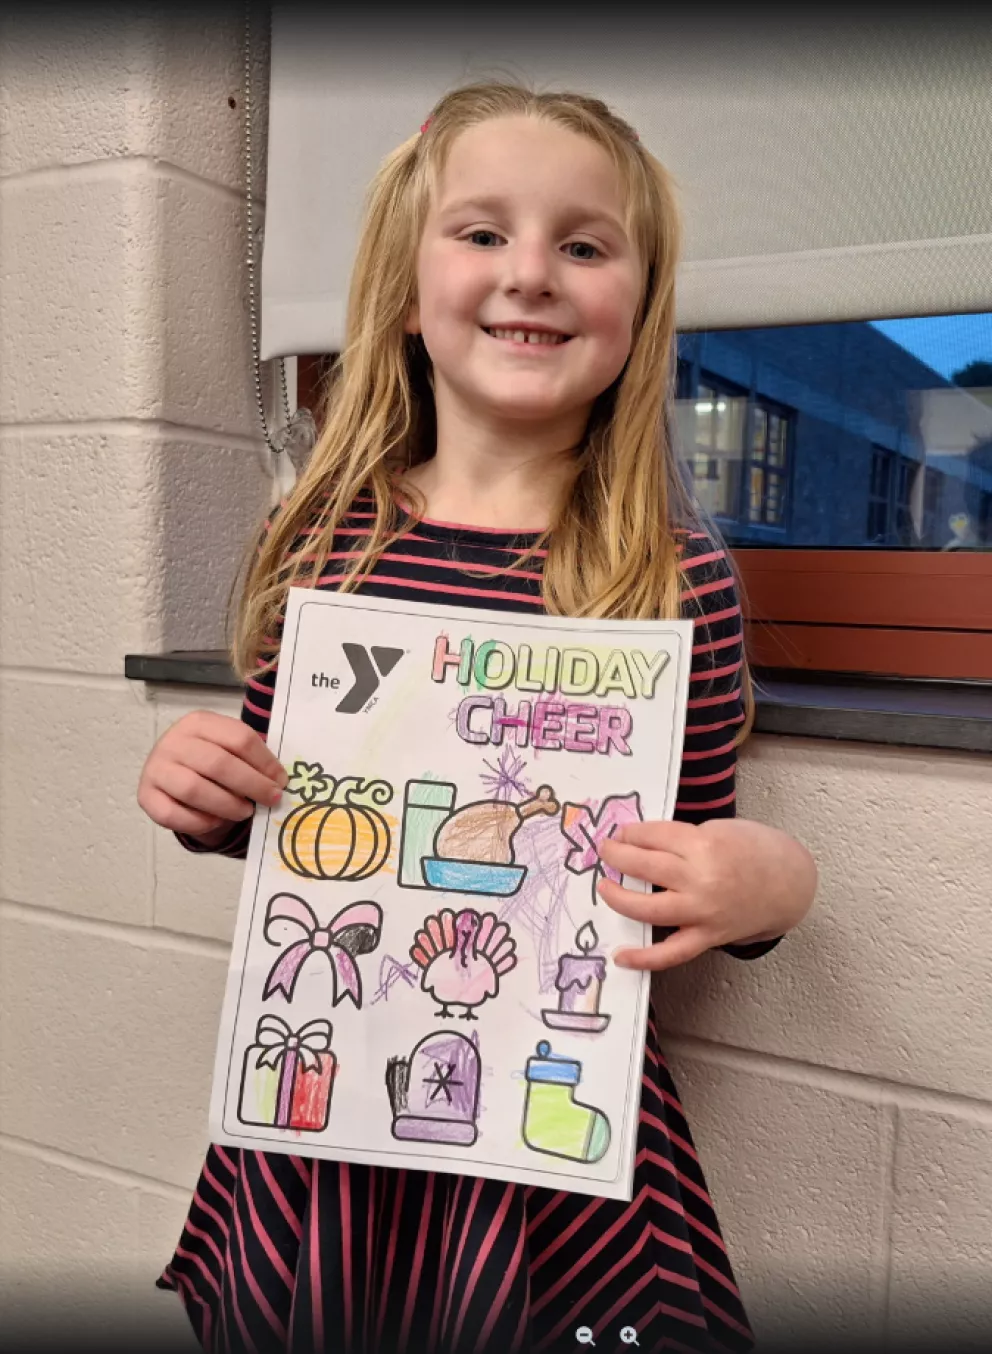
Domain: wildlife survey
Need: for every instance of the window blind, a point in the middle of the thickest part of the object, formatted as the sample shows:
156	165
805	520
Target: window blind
824	172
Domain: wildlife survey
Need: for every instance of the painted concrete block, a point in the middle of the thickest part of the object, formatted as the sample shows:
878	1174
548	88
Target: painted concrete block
941	1280
125	296
80	1248
109	81
114	1064
797	1174
151	534
72	837
888	974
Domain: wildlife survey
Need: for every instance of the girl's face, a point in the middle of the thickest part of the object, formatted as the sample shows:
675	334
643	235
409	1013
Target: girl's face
526	234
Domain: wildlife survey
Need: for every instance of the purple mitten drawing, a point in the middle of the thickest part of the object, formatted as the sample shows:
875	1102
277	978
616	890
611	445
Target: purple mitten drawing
434	1094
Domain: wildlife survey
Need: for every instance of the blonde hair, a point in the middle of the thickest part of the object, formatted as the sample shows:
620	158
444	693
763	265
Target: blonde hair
611	550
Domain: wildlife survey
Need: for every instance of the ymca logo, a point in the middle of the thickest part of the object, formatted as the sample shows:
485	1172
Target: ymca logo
367	671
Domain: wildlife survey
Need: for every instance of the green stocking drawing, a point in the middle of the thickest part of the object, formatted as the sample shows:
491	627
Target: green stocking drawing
554	1121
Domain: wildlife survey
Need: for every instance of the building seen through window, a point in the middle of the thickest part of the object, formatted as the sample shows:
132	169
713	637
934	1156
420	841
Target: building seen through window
859	434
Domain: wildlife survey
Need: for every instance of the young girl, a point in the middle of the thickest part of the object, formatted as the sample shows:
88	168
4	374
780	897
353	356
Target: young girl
497	436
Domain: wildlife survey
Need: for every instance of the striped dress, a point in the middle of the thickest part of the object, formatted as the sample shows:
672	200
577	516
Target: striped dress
284	1253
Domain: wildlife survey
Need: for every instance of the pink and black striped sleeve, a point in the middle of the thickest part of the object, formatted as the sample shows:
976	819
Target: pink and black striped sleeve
707	781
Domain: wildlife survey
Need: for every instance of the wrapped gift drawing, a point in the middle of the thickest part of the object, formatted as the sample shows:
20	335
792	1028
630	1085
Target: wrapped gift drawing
434	1094
288	1076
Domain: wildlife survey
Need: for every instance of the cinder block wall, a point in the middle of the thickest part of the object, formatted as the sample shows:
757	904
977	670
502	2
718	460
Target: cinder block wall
840	1090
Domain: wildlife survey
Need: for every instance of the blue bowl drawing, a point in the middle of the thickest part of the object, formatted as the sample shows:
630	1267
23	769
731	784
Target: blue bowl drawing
473	876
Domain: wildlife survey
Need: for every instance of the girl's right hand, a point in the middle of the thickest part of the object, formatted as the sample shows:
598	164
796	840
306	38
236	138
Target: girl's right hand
207	772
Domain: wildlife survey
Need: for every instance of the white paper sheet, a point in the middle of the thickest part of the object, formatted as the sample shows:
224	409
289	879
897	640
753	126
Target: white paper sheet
421	972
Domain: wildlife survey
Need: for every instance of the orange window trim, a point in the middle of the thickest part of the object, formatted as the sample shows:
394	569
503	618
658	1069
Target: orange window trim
884	612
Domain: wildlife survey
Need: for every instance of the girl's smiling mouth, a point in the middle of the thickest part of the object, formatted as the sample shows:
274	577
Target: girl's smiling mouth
527	338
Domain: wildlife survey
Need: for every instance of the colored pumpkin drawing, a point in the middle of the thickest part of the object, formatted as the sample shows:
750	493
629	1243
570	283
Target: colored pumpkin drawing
336	833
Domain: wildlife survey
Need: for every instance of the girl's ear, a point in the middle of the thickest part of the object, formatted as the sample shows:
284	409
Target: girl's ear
412	323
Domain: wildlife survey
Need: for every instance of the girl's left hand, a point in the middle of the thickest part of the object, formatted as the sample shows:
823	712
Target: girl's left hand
728	881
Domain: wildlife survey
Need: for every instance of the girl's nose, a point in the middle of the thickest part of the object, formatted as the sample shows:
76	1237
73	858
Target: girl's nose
528	269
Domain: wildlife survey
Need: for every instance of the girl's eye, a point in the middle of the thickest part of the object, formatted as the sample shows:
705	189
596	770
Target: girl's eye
474	237
583	244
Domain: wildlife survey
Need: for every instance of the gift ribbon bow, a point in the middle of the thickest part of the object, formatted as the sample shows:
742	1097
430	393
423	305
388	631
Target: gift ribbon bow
587	831
348	932
278	1042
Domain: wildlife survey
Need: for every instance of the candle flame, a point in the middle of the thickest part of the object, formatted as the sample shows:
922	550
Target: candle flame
586	937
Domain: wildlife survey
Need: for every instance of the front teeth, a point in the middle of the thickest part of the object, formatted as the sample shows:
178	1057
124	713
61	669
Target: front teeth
519	336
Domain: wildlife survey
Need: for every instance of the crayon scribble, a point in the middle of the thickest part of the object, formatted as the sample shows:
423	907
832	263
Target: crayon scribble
504	779
539	906
390	972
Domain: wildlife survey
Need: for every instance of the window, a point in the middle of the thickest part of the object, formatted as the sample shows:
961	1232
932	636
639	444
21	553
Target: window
736	446
879	496
717	432
860	506
890	519
768	463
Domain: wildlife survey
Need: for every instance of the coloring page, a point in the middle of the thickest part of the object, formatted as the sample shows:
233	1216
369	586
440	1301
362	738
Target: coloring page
421	974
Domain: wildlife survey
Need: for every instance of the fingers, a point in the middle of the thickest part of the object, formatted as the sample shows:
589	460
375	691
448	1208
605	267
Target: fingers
657	909
680	948
210	781
677	839
237	738
208	769
168	814
653	865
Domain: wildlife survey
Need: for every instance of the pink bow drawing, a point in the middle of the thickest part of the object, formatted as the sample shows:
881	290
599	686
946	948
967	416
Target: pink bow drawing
586	830
355	930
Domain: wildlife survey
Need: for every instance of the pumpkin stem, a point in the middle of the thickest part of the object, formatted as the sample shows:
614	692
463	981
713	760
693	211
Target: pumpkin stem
345	788
351	789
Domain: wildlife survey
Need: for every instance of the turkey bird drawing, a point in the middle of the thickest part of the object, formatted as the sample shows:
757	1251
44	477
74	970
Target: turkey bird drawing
462	958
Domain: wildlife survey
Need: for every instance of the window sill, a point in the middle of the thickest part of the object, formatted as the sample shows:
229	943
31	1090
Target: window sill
901	712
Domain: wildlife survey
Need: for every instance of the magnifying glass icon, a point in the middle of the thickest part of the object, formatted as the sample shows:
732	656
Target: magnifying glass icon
584	1336
629	1336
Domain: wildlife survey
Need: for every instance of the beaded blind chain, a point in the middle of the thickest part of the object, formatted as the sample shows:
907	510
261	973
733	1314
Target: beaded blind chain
297	432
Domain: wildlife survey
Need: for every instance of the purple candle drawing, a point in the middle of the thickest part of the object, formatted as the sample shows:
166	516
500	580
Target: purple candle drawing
580	983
